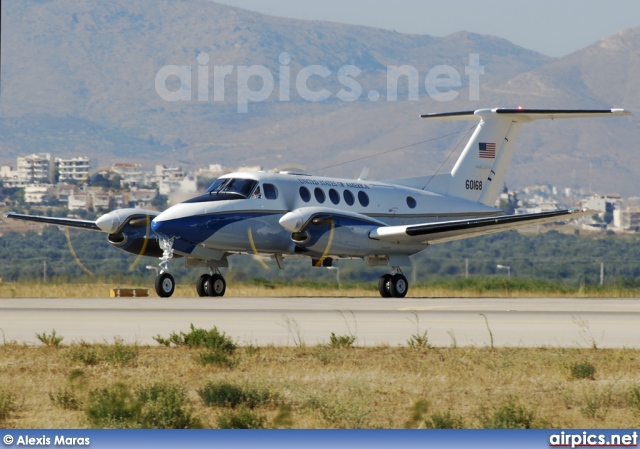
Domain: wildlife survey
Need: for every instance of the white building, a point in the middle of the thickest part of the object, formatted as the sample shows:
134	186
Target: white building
37	193
35	168
131	174
76	168
627	219
10	177
79	201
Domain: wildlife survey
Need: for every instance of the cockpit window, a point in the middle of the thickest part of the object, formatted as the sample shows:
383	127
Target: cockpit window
242	187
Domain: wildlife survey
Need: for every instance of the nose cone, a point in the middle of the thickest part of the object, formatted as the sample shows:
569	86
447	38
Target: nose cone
109	222
292	221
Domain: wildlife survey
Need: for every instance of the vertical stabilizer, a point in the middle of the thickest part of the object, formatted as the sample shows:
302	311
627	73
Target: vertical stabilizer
479	173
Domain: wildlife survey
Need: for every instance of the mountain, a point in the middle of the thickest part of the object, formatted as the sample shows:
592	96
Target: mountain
80	78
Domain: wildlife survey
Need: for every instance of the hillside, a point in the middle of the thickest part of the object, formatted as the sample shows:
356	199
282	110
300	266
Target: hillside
79	78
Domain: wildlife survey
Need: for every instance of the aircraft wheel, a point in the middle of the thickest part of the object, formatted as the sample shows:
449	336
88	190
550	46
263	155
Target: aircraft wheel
165	285
201	285
383	286
216	285
398	286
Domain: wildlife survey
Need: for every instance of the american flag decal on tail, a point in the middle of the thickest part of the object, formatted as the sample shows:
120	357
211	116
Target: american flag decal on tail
487	150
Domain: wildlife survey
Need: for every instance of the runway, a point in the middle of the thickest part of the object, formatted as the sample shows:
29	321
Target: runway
530	322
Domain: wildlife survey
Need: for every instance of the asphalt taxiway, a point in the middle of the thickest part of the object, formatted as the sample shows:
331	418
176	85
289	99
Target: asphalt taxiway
525	322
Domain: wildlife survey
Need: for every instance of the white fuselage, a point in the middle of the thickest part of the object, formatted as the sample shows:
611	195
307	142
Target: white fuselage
214	224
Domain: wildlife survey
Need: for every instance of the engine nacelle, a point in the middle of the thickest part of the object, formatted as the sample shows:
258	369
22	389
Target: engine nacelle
339	236
137	241
130	231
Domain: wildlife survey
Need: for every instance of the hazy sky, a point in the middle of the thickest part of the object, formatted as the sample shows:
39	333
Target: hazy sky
552	27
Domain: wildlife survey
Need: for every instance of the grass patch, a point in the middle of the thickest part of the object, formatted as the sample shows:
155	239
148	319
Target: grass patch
321	387
7	405
163	406
200	338
216	357
156	406
240	419
507	416
66	399
118	354
112	407
224	394
445	420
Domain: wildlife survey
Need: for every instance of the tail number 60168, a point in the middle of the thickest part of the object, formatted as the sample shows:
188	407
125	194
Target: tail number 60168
473	185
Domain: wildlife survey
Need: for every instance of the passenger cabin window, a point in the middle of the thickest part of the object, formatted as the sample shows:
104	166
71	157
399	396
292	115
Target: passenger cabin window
348	197
363	198
319	194
305	194
239	186
270	191
411	202
334	196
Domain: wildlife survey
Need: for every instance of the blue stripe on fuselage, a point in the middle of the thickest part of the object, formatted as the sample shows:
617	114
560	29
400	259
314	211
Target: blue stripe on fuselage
199	228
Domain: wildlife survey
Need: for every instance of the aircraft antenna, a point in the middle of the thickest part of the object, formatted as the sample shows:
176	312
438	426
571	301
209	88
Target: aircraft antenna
391	151
450	153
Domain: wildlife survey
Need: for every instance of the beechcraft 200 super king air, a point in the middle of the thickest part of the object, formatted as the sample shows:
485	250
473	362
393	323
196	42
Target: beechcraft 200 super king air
288	214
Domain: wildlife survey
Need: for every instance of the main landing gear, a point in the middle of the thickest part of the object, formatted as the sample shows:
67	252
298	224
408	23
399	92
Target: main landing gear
212	284
393	285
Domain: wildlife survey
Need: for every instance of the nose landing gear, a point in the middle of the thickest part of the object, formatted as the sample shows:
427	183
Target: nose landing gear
393	285
165	284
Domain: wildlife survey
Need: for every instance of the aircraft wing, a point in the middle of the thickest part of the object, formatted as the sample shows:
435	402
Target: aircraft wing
69	222
430	233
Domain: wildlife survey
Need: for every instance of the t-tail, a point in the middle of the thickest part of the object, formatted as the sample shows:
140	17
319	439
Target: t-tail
479	173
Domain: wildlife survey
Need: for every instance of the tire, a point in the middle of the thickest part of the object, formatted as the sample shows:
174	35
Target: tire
383	286
216	285
201	285
398	286
165	285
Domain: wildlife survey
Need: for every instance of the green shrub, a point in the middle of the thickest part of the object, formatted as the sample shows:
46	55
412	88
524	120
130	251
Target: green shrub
216	357
113	407
163	406
200	338
634	398
228	395
507	416
66	399
50	340
240	419
419	341
596	404
419	409
84	353
583	370
445	420
341	341
6	404
157	406
119	353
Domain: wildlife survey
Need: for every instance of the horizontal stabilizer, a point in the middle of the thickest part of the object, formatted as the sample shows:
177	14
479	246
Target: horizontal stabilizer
527	115
430	233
